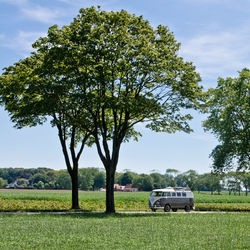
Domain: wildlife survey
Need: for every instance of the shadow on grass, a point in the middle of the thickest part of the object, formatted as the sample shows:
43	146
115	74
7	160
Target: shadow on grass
84	214
103	215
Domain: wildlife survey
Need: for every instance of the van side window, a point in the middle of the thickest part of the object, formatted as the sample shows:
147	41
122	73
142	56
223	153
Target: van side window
173	194
157	193
164	194
168	194
184	194
178	194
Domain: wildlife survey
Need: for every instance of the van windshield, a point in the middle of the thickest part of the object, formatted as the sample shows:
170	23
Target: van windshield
155	194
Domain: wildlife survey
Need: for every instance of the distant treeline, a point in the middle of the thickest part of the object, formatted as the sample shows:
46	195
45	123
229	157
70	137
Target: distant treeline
94	179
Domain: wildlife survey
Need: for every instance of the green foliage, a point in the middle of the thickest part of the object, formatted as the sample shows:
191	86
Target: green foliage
22	182
39	177
229	108
143	182
99	180
63	180
126	178
3	183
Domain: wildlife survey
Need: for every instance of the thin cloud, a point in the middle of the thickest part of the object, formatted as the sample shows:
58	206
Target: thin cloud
14	2
41	14
36	12
87	3
22	43
218	52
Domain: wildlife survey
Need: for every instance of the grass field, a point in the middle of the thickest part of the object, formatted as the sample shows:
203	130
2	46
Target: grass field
125	231
32	200
120	231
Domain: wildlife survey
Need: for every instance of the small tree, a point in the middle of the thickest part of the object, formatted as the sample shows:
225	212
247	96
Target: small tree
31	93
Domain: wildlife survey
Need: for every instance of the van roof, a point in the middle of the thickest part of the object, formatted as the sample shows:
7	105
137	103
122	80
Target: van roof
173	189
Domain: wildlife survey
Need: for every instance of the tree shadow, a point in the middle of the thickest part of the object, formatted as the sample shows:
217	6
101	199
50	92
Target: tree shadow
84	214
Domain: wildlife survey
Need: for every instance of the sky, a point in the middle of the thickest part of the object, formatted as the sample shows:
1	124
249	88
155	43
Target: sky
214	35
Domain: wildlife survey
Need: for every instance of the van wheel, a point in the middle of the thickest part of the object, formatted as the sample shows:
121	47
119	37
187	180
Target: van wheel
167	208
187	208
153	209
174	209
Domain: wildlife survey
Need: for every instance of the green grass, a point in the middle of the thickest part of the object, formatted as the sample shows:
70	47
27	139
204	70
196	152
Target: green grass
32	200
65	195
133	231
224	197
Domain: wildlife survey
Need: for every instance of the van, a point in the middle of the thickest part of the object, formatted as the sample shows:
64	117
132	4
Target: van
171	198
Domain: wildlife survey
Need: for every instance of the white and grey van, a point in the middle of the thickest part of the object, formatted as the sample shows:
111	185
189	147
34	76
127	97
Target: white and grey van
171	198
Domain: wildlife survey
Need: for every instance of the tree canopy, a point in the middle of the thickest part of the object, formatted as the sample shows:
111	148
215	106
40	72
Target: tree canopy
229	108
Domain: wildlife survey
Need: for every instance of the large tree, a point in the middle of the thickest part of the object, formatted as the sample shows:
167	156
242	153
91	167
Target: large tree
32	95
118	71
132	74
229	108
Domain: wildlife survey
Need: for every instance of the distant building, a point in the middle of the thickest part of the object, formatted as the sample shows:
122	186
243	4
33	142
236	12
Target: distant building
118	187
127	188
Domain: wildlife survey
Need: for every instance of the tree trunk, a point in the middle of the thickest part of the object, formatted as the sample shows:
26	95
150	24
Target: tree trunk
110	179
74	180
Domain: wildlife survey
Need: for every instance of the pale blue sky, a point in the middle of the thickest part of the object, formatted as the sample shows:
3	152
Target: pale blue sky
214	34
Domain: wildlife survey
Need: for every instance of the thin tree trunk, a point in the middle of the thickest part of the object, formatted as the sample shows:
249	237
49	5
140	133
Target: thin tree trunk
75	200
110	178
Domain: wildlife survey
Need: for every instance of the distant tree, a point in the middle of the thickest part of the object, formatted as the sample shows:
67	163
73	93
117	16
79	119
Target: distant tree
245	178
3	183
99	180
4	174
40	177
200	183
86	179
157	180
22	182
189	178
126	178
39	185
170	177
63	180
212	182
172	171
143	182
229	108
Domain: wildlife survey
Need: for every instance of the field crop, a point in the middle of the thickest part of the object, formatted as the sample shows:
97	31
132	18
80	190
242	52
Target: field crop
33	200
125	231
